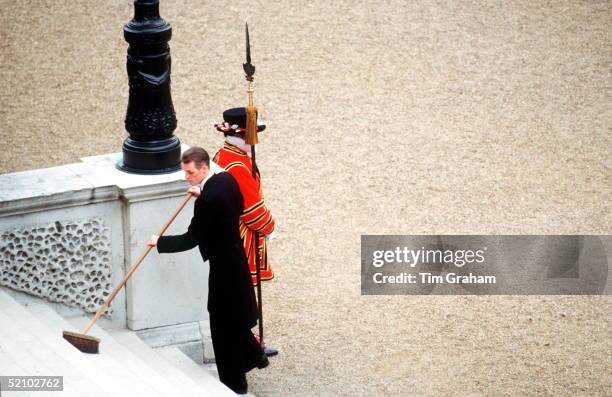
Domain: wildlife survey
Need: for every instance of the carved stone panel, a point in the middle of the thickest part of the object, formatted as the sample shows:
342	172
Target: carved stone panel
65	262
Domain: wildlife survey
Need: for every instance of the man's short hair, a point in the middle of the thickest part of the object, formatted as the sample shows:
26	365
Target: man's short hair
196	154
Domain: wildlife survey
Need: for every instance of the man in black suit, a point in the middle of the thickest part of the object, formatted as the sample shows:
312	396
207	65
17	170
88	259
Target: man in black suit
231	300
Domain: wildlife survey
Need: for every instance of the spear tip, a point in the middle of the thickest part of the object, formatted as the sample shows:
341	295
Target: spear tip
248	43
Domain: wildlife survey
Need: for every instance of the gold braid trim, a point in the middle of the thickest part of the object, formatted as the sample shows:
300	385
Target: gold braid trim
236	164
234	149
252	208
254	221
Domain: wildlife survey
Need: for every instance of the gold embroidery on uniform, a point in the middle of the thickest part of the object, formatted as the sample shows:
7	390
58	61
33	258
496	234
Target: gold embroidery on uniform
234	149
266	224
252	222
235	164
252	208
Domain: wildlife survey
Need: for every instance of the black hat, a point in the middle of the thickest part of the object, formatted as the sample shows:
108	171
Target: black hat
235	122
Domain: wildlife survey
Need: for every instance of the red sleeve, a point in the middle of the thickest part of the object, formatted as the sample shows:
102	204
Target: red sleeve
256	215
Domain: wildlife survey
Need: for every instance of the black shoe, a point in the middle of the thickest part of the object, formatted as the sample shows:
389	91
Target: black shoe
263	362
270	351
242	388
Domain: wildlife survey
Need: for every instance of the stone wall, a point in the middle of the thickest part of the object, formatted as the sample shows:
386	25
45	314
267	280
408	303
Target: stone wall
69	234
64	262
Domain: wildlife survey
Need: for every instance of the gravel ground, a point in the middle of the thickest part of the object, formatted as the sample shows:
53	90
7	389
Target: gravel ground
383	118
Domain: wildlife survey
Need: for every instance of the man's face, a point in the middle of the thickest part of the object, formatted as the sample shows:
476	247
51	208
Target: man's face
193	174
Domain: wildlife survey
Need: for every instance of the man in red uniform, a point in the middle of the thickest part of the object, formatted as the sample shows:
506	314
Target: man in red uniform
234	157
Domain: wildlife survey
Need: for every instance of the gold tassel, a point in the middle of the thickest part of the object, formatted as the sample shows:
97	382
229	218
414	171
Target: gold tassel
251	126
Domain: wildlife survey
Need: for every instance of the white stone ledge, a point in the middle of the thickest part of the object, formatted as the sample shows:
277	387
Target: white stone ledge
56	187
96	179
41	201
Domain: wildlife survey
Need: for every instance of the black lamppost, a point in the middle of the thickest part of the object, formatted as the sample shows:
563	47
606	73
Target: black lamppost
151	147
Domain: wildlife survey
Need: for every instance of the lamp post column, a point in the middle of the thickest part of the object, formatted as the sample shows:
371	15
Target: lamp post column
150	121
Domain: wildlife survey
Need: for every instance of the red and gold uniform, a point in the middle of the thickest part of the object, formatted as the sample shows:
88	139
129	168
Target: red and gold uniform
256	216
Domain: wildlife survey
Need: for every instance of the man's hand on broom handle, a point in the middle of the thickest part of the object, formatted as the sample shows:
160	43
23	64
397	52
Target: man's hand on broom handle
194	190
153	240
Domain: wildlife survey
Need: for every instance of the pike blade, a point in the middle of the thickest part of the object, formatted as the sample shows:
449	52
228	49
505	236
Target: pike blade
248	67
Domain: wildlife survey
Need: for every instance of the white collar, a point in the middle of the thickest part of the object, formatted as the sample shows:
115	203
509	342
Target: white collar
211	171
239	142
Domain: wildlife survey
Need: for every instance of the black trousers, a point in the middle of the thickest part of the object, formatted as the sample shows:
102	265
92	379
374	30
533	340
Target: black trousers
236	350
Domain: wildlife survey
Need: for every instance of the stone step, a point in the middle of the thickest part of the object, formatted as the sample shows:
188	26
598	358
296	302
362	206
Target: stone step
10	367
131	341
193	387
113	349
31	344
32	355
41	351
204	378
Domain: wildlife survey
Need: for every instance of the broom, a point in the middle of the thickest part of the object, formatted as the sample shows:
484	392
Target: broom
90	344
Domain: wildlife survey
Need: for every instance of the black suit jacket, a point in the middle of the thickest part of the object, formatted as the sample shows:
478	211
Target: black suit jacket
214	229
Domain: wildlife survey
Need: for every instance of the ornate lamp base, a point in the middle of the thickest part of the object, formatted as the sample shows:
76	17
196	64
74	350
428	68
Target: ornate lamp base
149	158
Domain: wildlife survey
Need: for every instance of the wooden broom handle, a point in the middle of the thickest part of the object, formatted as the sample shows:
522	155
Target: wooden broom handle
133	269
